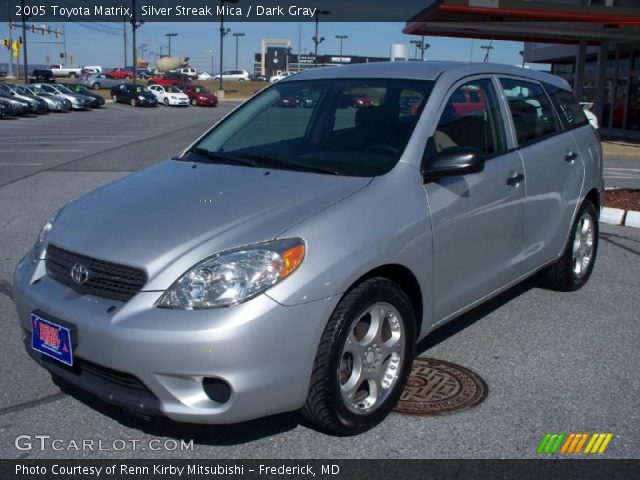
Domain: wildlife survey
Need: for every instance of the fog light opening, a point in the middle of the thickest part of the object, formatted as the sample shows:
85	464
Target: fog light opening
217	390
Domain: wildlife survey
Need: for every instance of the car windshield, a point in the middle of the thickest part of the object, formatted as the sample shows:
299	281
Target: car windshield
173	90
63	89
200	90
356	127
140	89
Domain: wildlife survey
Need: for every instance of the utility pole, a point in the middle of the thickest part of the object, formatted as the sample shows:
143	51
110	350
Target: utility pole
24	45
341	38
10	49
125	43
316	39
169	35
425	46
134	26
488	48
237	35
210	52
418	45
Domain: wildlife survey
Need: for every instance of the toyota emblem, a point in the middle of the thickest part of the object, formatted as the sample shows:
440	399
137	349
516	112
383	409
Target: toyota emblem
79	274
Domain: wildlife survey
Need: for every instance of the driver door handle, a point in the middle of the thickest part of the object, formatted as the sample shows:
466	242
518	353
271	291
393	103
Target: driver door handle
570	156
515	179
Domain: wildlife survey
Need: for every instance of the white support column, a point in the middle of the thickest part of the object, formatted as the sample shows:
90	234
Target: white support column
601	81
579	73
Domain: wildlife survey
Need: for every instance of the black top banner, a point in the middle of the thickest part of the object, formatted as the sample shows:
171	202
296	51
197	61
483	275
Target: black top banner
212	10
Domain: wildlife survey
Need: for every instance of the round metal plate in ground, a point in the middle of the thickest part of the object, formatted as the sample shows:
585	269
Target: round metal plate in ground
436	387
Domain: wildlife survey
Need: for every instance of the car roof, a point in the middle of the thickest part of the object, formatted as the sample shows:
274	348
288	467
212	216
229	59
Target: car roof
430	70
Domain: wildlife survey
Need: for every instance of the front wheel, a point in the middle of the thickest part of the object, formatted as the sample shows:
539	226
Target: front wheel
115	99
194	102
363	360
166	101
96	86
574	268
133	103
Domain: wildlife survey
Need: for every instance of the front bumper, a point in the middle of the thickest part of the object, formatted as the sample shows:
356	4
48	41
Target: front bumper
263	350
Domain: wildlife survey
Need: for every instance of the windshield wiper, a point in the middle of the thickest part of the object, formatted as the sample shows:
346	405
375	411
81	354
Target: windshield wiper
223	158
273	160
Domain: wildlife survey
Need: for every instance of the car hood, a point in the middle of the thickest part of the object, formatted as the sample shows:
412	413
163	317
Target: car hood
169	217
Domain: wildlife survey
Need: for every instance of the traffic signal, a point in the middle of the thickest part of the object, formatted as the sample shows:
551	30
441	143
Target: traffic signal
16	49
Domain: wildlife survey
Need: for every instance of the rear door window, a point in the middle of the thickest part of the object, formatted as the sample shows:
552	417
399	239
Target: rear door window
570	111
531	110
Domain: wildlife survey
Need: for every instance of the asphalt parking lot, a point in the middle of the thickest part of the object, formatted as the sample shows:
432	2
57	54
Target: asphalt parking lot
553	362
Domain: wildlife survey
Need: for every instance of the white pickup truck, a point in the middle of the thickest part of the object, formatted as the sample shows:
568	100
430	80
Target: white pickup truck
62	71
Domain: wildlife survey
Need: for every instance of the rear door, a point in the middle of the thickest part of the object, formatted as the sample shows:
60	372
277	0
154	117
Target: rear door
553	166
477	219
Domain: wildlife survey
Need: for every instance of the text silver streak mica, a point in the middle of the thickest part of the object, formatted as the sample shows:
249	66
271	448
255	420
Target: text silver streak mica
293	255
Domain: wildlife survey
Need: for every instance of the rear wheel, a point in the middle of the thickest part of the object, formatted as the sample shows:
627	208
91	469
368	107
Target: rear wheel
115	98
96	86
574	268
72	75
363	360
132	103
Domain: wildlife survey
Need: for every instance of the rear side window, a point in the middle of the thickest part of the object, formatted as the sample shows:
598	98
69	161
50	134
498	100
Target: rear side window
571	113
531	110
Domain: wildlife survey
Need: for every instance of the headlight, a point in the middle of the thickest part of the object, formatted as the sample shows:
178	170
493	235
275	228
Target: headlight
44	234
174	97
140	97
234	276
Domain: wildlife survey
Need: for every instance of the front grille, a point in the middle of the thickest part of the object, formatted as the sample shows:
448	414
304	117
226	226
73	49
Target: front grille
106	279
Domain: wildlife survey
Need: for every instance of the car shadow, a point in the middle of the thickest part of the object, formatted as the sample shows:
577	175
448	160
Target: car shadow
211	435
467	319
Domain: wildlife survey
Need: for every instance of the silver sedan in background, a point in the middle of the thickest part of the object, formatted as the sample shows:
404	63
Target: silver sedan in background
56	103
100	80
292	256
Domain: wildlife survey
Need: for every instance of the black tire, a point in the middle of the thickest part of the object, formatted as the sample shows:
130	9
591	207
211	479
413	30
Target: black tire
166	101
72	75
133	103
115	98
325	407
194	102
96	86
561	275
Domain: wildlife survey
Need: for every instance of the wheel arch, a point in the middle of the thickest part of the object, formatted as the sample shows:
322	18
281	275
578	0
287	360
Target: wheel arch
404	277
594	197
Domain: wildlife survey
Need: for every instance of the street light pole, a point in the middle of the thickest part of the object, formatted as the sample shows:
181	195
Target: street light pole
318	40
134	26
237	35
169	35
341	38
223	33
24	46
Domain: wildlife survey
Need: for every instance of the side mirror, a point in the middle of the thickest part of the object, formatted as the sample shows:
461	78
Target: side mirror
453	161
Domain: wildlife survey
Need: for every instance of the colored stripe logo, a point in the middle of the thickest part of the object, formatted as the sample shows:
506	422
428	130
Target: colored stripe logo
573	443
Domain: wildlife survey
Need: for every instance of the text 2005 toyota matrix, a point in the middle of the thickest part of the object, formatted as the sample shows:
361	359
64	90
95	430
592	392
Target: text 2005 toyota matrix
291	258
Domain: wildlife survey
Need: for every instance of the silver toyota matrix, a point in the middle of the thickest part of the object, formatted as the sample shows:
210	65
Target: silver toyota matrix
292	256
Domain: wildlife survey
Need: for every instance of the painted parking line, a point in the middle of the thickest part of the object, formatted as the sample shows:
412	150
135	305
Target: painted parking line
62	142
21	164
41	151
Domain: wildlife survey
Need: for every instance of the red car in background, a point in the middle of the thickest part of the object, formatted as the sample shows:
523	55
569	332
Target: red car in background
199	96
120	73
171	78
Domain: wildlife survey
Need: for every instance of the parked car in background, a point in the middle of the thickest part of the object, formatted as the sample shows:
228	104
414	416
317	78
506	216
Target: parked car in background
6	110
169	95
205	76
120	73
188	71
199	96
239	75
259	78
82	90
280	76
134	95
144	73
78	102
20	106
88	71
593	120
38	105
170	78
101	80
65	71
42	76
93	68
10	109
56	103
